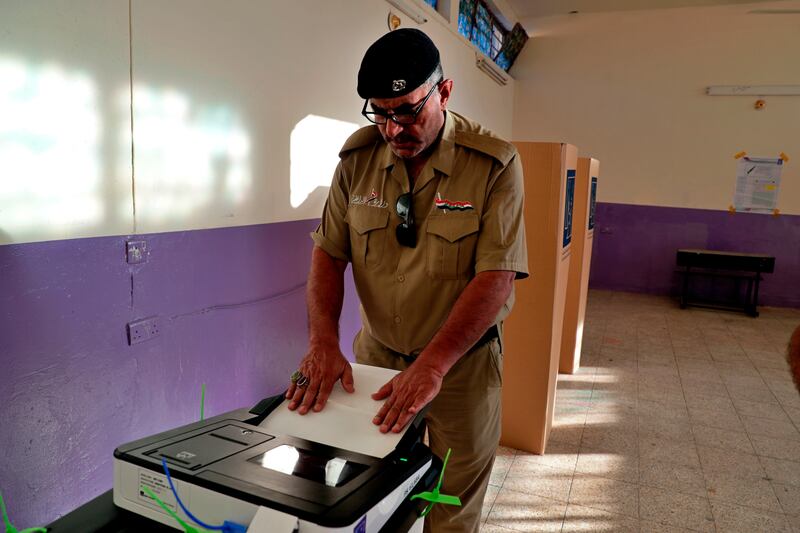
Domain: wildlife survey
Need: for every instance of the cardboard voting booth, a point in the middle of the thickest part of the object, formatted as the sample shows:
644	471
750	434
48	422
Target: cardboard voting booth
532	333
580	263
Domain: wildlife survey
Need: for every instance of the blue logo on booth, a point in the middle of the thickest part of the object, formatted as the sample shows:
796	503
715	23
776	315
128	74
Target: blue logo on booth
592	203
361	527
569	201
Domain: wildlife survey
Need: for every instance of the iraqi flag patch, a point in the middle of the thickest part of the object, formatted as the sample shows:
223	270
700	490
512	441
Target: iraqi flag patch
450	205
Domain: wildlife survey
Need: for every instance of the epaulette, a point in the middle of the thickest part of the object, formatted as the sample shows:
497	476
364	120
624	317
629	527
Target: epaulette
499	149
362	137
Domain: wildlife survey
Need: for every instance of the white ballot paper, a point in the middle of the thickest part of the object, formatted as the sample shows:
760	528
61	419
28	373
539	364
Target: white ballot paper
758	181
346	420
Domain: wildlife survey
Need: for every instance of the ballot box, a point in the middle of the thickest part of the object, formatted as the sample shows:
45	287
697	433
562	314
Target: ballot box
271	470
532	332
579	264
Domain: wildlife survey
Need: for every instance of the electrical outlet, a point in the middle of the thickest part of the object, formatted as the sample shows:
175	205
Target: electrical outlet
143	330
136	252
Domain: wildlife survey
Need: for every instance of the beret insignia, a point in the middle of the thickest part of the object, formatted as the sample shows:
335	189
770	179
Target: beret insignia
397	64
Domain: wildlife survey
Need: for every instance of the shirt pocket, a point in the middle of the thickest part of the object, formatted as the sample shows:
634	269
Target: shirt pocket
367	234
451	245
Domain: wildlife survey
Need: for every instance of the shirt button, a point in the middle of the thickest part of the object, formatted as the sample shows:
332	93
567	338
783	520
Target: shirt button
401	278
397	319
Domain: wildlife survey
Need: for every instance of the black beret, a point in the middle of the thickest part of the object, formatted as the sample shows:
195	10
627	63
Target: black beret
396	64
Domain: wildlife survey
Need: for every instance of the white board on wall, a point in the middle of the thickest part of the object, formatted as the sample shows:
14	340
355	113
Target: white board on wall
279	88
61	129
217	90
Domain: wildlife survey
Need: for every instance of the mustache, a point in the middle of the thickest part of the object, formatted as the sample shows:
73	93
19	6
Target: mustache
403	138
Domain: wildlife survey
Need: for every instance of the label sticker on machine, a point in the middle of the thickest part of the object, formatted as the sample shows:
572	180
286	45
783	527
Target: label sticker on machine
409	486
159	485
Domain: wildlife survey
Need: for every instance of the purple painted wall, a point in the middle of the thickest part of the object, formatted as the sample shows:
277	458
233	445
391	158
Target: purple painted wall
634	247
232	308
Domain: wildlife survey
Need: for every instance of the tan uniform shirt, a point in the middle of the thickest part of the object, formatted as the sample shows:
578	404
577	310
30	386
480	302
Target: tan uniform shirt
468	213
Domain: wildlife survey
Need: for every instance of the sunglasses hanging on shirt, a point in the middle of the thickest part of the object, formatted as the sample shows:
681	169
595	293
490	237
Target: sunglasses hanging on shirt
406	231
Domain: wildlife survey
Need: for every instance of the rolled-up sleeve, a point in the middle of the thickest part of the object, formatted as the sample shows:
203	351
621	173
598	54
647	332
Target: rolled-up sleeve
333	233
501	242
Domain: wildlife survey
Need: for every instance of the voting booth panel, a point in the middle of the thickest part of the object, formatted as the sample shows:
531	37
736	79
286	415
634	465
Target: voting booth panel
580	263
532	332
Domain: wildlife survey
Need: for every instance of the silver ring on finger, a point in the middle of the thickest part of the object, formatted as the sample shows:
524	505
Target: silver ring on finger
303	382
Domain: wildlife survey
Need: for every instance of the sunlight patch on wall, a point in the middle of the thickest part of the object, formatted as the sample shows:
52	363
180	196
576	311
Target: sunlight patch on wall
49	150
314	153
191	160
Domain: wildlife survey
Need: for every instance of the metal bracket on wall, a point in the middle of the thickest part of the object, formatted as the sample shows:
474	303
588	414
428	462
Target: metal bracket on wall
136	252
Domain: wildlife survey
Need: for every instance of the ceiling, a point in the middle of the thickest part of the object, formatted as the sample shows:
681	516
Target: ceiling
527	9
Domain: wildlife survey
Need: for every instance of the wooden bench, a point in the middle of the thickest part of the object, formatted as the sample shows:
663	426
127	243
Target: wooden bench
716	263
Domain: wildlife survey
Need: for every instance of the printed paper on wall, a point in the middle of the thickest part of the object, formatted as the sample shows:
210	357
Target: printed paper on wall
758	181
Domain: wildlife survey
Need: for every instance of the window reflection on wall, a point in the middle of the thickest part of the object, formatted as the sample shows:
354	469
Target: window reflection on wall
314	153
49	150
191	160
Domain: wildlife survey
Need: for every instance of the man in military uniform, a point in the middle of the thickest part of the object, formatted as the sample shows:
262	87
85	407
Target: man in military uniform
427	206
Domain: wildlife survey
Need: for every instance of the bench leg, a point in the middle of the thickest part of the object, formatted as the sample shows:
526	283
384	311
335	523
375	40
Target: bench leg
754	301
738	293
748	296
685	290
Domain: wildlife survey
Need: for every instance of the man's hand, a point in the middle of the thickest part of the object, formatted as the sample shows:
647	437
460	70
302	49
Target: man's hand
407	393
323	365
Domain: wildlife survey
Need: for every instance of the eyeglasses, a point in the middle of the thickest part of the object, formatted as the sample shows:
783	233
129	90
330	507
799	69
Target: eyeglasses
406	114
406	232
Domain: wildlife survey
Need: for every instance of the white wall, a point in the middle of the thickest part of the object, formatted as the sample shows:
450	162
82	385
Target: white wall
218	89
628	89
64	125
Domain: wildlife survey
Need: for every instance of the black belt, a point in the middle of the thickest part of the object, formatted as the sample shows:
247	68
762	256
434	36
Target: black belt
491	334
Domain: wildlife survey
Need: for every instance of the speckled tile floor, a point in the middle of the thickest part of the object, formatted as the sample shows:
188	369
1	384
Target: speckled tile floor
679	420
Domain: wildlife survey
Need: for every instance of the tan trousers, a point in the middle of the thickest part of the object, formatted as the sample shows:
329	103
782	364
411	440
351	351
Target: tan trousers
465	416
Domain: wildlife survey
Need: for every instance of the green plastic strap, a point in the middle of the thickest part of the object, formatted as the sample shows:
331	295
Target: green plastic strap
202	401
10	527
186	527
6	521
435	496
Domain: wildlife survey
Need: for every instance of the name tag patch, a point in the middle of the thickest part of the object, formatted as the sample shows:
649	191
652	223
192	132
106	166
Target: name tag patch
373	200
